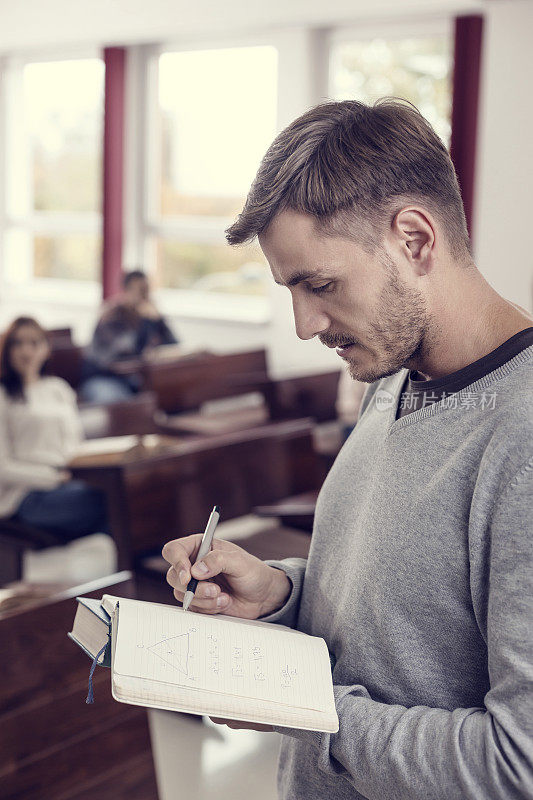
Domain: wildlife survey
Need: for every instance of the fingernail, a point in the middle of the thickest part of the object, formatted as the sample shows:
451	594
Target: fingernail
222	600
183	576
210	591
201	568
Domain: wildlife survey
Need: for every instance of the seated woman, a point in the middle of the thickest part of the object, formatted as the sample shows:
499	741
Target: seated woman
39	432
129	325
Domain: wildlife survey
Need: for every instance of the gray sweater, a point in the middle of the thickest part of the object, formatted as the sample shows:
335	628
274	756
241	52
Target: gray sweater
420	578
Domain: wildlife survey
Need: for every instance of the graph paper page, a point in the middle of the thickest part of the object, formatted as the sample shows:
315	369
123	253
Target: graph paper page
206	653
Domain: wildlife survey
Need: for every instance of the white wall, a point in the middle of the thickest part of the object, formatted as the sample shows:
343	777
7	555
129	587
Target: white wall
503	210
34	23
216	335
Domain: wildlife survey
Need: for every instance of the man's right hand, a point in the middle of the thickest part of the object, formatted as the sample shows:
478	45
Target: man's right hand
235	583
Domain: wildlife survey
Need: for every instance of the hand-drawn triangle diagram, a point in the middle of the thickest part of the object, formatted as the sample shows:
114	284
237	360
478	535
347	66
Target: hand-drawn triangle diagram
174	651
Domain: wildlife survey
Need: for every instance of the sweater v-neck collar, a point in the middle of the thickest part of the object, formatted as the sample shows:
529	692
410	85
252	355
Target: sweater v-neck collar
444	405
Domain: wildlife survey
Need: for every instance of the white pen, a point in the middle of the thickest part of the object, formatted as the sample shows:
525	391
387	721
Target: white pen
205	547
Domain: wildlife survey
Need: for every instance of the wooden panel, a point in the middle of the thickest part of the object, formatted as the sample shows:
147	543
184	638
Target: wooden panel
66	361
133	416
53	745
42	660
59	336
185	384
308	396
60	771
132	780
173	497
26	730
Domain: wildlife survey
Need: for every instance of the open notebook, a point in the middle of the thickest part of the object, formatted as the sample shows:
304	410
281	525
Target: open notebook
164	657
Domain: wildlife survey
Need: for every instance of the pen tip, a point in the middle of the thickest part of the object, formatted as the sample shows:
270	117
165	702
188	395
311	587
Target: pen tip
217	509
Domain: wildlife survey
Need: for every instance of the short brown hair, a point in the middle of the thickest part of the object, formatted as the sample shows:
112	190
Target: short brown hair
347	161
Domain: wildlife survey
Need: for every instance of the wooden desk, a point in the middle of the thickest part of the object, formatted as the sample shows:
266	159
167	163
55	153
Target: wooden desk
166	491
53	745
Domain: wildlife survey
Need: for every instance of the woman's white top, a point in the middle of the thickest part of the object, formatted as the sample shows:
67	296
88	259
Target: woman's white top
38	436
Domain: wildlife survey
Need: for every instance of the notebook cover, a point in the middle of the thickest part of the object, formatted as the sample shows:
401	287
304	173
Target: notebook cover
94	606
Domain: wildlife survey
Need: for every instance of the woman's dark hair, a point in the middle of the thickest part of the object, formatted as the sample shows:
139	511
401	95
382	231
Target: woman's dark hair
9	377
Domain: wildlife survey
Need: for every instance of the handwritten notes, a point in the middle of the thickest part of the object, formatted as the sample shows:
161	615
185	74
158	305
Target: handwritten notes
207	653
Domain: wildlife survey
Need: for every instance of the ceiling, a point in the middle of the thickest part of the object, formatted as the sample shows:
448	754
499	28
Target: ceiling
27	25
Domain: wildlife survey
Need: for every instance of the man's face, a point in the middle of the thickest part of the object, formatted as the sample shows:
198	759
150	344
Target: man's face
359	303
137	291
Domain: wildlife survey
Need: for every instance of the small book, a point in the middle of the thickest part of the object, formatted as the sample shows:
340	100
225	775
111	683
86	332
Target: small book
164	657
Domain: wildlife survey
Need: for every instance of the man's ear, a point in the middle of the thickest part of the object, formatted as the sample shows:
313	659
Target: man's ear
414	230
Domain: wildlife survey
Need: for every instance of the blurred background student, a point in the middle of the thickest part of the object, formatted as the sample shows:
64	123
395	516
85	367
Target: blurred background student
40	431
128	325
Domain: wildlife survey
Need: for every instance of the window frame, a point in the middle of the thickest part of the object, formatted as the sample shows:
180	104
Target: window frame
189	228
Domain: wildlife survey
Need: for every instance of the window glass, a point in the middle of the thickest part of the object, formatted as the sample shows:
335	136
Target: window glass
207	267
218	116
415	69
64	117
218	113
75	256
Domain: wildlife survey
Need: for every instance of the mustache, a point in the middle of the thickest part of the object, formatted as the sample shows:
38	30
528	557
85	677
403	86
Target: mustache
335	339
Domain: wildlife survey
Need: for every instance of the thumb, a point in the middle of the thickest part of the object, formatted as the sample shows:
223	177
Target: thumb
234	563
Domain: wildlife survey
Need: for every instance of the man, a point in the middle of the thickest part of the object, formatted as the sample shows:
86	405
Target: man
419	575
128	325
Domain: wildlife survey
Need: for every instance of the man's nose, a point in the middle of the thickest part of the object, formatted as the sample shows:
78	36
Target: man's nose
309	320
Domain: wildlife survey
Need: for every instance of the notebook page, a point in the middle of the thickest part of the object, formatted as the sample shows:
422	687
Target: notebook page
143	692
109	601
195	651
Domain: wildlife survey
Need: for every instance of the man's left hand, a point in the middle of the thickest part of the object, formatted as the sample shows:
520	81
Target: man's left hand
238	724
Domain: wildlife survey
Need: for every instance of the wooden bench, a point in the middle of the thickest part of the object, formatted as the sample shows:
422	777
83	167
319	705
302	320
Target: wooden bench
136	415
160	492
306	396
233	376
66	359
53	745
15	539
185	383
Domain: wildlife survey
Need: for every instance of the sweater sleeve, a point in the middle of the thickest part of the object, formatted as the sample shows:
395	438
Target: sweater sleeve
294	568
14	472
389	752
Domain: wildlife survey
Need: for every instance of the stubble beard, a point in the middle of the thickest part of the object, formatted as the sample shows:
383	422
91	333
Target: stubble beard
401	333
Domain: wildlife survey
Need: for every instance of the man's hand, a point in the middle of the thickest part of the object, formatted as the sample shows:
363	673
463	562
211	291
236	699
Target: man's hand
147	309
241	725
231	581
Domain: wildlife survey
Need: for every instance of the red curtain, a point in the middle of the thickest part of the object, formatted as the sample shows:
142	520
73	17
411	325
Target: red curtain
113	179
466	76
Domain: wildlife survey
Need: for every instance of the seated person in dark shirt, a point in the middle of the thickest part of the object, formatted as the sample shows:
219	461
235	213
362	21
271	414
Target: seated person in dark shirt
128	325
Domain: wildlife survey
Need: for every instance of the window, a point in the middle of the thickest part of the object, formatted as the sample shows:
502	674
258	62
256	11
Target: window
217	116
413	66
54	192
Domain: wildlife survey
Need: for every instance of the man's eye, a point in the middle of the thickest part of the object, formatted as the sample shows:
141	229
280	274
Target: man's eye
321	289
